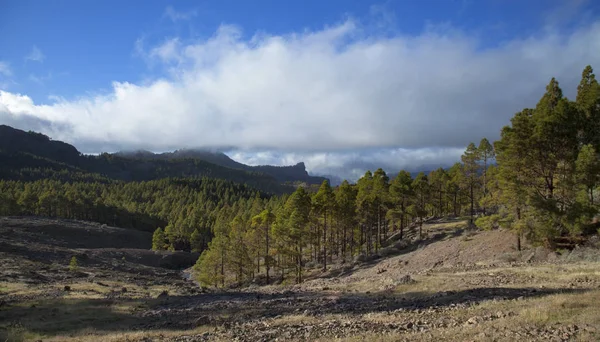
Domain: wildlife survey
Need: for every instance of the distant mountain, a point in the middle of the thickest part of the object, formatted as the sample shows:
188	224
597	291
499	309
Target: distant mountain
31	155
286	174
17	141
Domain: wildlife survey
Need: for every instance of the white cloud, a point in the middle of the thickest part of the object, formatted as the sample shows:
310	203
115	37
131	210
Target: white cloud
175	16
35	55
315	94
353	164
167	52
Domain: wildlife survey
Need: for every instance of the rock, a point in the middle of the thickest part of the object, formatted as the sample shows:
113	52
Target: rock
124	289
163	294
409	325
67	288
473	320
406	279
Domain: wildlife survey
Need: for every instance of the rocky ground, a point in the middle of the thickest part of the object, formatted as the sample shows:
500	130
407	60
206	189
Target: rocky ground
455	285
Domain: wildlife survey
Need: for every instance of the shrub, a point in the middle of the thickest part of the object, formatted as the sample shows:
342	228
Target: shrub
73	266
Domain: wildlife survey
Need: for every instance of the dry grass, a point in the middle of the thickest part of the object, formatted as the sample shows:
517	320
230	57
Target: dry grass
82	313
92	335
447	226
530	316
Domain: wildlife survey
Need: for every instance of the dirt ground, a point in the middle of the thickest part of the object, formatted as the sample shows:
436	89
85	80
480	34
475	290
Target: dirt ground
455	285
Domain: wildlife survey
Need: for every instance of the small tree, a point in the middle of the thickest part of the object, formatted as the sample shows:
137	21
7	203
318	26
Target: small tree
196	241
158	240
73	266
470	161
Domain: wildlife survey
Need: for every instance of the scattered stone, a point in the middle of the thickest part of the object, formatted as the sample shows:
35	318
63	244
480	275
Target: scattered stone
124	289
474	320
67	288
406	279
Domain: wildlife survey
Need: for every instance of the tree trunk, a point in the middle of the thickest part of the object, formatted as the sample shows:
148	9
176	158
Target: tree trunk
325	240
378	239
344	244
455	205
519	232
300	264
352	242
484	181
223	268
472	202
267	252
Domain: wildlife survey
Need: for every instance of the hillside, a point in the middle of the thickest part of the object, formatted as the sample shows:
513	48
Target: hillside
286	174
457	284
31	156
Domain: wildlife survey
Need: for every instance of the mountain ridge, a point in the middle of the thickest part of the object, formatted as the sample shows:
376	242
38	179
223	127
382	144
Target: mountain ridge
21	152
287	173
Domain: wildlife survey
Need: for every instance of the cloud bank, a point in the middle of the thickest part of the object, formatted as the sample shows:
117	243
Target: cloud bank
333	97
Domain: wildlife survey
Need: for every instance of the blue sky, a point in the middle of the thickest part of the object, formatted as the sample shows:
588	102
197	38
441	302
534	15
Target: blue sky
88	44
262	78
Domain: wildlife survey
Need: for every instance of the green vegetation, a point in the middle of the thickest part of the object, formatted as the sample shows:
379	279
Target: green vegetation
543	186
178	206
73	265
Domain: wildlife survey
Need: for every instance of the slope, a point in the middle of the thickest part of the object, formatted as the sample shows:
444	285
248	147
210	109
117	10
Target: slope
286	174
31	156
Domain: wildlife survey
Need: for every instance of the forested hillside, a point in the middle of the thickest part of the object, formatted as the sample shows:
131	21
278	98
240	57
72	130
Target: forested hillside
540	180
287	174
32	156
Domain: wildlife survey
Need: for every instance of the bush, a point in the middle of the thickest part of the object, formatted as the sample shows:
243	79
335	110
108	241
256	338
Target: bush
488	222
73	266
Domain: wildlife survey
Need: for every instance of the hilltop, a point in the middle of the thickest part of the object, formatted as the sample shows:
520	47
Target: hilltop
31	156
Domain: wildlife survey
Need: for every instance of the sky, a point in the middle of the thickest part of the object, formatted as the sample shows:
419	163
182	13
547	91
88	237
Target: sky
343	85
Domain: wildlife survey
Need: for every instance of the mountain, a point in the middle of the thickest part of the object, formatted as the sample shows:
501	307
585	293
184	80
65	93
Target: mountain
17	141
285	174
31	156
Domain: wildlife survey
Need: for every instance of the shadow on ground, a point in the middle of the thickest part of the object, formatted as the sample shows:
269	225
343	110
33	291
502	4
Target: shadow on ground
71	316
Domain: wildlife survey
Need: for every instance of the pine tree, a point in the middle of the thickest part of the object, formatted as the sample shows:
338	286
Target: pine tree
437	182
346	215
401	193
207	267
453	188
263	222
380	196
196	241
239	257
588	172
470	161
486	152
514	172
420	187
73	265
588	101
158	240
324	202
365	203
